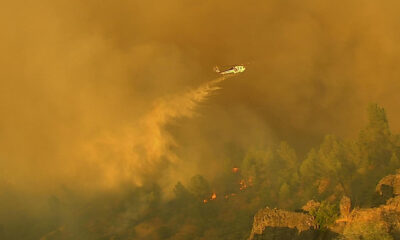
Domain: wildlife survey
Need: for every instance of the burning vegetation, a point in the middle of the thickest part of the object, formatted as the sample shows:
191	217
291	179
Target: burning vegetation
275	177
278	178
245	183
242	185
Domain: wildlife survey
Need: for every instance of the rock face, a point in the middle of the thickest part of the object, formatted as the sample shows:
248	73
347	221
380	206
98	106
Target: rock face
389	183
311	206
381	222
387	215
345	205
280	224
283	233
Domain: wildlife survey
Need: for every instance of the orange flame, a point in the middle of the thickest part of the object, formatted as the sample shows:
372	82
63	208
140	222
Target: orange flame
205	201
235	169
245	183
213	196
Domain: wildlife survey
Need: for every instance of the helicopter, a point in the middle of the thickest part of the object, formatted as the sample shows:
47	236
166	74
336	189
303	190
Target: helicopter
231	70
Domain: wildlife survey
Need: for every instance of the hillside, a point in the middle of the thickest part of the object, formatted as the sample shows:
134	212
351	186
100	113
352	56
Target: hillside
382	222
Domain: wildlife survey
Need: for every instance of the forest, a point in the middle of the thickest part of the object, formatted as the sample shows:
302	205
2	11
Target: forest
223	208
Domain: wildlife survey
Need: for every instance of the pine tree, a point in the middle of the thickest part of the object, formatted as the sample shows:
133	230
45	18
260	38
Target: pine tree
180	191
310	168
332	156
375	140
199	187
394	162
284	192
288	155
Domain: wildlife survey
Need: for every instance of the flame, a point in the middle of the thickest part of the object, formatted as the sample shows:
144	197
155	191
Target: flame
245	183
235	169
213	196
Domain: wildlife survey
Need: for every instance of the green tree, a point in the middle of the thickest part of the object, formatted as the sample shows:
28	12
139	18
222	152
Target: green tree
375	140
334	163
372	155
258	165
287	155
326	214
332	156
284	192
394	162
199	187
180	191
310	168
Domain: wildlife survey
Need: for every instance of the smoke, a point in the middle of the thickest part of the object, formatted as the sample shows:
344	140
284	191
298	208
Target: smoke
93	93
76	74
157	142
143	151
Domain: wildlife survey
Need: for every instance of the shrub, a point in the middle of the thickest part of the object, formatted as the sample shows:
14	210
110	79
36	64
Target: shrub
326	214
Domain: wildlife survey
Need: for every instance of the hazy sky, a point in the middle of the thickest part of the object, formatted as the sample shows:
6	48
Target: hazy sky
93	93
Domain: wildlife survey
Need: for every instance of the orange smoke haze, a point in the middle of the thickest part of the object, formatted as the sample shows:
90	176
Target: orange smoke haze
95	94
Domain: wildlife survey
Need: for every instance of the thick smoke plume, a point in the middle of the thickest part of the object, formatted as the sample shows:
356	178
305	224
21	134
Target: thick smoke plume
143	151
157	142
76	73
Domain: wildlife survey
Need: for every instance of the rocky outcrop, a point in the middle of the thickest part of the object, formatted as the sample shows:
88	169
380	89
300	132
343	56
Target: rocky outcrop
311	206
345	205
384	215
284	233
292	223
389	183
381	222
